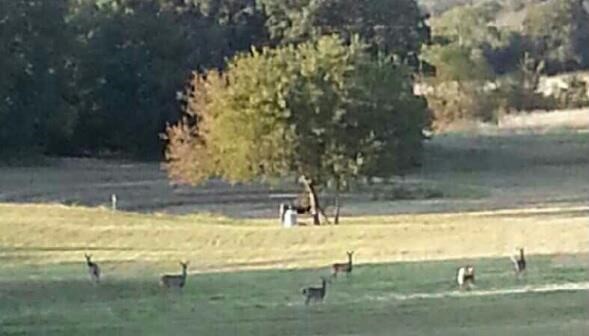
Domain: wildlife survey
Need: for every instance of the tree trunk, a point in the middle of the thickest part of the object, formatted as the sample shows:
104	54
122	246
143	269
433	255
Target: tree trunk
315	208
337	203
337	208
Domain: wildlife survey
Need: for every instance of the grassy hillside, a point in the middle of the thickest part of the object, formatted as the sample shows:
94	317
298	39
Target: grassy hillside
45	288
45	234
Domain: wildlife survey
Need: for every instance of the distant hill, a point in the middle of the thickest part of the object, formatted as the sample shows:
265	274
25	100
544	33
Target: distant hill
512	15
514	10
437	7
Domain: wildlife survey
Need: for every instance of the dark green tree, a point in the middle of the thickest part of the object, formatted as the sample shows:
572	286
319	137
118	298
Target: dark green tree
35	113
323	109
559	34
390	27
135	57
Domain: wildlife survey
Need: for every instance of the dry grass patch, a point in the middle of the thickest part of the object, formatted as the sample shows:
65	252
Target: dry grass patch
46	234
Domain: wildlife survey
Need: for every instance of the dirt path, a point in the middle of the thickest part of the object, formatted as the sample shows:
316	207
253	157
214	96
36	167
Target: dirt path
550	288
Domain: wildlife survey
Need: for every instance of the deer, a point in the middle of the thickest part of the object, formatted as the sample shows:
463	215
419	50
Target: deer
93	269
519	263
175	280
316	294
465	276
342	267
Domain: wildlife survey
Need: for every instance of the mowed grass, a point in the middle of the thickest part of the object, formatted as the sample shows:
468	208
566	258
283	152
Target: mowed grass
48	234
45	288
376	299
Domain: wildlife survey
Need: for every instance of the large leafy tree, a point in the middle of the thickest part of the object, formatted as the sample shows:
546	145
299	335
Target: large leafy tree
473	27
469	26
458	91
322	109
132	60
35	68
135	56
390	27
559	34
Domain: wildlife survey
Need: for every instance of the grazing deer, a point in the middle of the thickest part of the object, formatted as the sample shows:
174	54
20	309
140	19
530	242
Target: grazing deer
342	267
316	294
93	269
175	280
519	263
465	276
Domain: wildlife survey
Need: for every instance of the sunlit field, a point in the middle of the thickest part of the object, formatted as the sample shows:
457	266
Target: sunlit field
163	166
46	290
45	234
383	299
499	192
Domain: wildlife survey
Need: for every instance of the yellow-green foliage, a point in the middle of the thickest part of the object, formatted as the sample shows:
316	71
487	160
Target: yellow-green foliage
322	108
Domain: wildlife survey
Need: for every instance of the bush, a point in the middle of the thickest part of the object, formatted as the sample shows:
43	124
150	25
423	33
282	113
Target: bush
455	101
514	97
574	95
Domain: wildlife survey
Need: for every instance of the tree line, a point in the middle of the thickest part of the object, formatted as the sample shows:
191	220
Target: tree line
88	77
486	65
85	77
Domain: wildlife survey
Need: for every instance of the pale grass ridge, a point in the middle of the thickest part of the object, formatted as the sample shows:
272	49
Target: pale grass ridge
47	234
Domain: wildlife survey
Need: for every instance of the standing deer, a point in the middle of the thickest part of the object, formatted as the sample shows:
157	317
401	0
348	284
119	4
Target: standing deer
93	269
519	263
342	267
465	277
316	294
175	280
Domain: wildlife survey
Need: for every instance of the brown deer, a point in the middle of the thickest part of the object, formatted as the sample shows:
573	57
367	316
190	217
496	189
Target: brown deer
342	267
316	294
519	262
93	269
175	280
465	276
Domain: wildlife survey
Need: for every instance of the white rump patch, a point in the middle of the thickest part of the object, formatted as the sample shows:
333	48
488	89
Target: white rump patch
460	276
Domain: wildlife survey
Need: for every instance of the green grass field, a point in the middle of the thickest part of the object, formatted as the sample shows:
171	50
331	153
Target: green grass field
45	288
374	300
500	191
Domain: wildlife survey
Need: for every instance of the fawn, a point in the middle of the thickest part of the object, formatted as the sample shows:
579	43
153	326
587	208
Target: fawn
93	269
342	267
175	280
316	294
519	263
465	276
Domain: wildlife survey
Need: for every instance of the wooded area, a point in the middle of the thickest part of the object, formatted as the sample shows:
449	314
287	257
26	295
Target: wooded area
95	77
